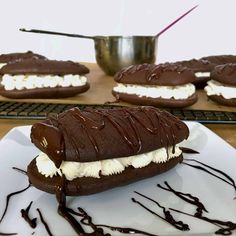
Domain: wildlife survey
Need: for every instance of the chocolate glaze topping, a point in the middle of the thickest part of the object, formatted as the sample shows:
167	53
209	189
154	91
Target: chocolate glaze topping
220	59
77	135
148	74
195	65
44	67
10	57
225	74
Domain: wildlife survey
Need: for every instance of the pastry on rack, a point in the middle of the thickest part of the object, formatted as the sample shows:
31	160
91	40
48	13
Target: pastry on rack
39	78
163	85
222	86
10	57
202	69
93	150
220	59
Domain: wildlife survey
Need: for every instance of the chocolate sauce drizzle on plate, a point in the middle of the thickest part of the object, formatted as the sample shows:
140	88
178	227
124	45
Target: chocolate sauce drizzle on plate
188	150
87	220
162	125
186	197
225	227
25	214
228	179
19	170
44	222
167	215
9	197
68	213
1	233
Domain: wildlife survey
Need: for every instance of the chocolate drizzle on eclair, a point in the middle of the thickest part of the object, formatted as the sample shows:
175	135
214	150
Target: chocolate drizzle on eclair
167	74
196	65
81	136
10	57
225	74
44	67
220	59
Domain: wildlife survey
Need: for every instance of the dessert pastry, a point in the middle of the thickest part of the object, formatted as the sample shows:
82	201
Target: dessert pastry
220	59
201	68
222	86
40	78
10	57
163	85
97	149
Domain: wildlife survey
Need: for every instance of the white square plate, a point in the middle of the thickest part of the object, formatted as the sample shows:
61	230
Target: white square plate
114	207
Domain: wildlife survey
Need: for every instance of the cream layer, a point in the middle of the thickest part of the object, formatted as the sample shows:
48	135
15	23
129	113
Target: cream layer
95	169
153	91
19	82
216	88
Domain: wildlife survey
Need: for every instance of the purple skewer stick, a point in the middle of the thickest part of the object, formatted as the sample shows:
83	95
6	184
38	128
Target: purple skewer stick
174	22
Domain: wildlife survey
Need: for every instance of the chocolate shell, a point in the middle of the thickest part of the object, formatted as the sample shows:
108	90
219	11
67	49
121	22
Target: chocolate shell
223	101
225	74
220	59
148	74
88	185
156	102
57	92
44	67
197	65
98	134
10	57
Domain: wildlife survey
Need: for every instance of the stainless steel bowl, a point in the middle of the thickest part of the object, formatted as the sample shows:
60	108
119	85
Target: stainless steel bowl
116	52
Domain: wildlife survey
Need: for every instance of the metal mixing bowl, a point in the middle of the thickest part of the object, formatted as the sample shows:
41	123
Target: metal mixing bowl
116	52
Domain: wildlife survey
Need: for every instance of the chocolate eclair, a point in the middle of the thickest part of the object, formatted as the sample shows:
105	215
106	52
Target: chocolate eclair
10	57
222	86
97	149
163	85
220	59
201	68
31	78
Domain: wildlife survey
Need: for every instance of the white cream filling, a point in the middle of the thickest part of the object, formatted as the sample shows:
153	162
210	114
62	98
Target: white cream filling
2	64
73	170
202	74
20	82
153	91
216	88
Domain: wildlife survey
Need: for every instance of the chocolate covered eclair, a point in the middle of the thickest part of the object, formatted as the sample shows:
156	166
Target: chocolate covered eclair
99	149
31	78
220	59
163	85
202	69
11	57
222	86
